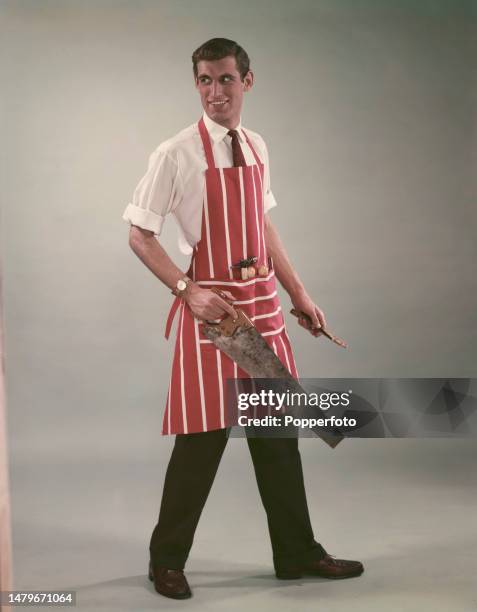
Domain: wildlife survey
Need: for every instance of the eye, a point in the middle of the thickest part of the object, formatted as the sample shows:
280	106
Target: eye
226	78
204	80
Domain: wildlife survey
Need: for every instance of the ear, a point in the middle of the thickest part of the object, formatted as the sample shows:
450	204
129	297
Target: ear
248	81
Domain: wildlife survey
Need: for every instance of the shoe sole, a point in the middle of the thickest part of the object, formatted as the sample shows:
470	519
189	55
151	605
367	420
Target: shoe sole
295	576
185	596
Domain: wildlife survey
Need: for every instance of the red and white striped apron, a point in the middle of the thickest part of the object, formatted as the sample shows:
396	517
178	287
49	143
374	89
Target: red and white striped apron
232	230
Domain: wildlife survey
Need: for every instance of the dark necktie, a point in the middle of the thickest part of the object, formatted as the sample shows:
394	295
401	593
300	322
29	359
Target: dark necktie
239	159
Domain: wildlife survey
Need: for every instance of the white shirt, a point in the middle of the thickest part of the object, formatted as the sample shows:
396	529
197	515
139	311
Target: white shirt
175	180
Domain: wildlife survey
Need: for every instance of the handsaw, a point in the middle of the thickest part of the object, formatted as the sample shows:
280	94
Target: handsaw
240	340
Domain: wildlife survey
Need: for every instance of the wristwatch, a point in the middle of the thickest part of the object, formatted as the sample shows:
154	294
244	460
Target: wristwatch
181	286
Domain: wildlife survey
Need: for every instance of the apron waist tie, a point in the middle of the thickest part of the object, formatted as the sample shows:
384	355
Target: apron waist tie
175	306
172	314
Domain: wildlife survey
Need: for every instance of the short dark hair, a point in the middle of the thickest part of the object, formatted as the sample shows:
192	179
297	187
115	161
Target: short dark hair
218	48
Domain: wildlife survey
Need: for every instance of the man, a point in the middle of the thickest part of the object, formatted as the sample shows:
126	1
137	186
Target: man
214	177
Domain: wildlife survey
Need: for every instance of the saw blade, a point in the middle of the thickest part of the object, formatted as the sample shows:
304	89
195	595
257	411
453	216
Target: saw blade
241	341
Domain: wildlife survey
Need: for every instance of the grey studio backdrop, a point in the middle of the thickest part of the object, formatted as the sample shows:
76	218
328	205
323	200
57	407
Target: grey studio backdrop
368	110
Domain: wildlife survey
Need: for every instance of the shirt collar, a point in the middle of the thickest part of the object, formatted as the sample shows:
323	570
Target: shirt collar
218	132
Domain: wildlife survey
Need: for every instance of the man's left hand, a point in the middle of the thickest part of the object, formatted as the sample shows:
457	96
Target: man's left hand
304	303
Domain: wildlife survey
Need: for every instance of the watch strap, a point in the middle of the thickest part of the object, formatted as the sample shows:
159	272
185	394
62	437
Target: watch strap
180	292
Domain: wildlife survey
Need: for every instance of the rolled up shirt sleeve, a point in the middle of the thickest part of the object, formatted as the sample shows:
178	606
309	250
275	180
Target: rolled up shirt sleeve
158	192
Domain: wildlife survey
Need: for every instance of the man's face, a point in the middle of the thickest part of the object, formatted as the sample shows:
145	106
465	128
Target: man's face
221	90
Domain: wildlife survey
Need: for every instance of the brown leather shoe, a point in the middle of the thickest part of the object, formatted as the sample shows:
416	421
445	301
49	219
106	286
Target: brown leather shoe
328	567
169	582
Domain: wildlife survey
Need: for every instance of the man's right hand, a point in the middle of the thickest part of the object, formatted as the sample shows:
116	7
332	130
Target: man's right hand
206	304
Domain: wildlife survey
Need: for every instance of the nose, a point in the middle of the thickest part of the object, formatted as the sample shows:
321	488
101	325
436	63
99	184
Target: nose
216	89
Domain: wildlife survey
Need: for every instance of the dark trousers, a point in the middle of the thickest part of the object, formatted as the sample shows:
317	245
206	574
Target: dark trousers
189	477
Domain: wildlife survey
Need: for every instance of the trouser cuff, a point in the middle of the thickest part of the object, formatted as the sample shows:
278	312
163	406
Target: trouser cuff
170	561
313	553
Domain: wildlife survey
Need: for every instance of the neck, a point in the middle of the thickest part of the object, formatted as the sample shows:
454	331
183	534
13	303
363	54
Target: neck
230	124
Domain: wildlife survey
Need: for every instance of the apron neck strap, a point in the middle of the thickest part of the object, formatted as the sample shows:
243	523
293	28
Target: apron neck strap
257	159
204	134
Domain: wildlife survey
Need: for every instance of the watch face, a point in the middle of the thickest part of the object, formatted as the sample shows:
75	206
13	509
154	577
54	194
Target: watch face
181	285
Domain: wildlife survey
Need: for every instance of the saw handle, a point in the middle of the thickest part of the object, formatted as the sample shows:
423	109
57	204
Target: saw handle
228	325
302	315
221	294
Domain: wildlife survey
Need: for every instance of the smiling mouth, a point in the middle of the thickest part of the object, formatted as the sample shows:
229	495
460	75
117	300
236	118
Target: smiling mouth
218	103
